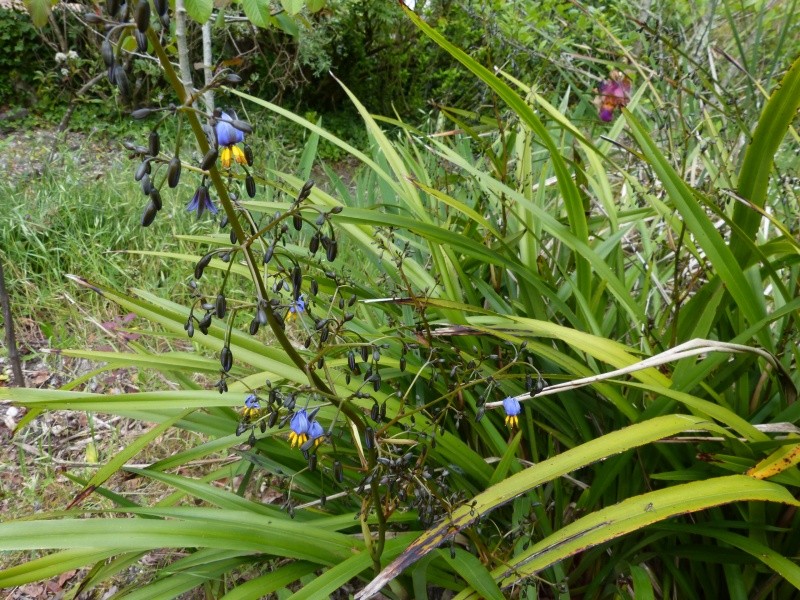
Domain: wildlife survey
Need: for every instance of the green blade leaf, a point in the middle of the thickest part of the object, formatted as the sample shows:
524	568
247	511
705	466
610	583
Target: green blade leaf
199	10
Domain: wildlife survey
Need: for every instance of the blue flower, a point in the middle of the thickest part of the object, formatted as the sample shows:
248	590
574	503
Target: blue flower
512	408
201	201
299	426
227	136
295	308
316	433
252	408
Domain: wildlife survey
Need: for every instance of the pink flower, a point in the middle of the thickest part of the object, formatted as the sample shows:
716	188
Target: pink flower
612	94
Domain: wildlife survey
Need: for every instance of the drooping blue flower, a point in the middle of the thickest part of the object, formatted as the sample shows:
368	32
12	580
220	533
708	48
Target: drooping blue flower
299	426
227	134
201	201
296	307
512	407
252	408
316	433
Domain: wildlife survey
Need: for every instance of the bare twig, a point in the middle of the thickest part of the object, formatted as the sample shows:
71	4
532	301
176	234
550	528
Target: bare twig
11	341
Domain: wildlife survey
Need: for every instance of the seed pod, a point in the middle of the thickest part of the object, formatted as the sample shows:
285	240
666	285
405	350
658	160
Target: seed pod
375	413
142	113
121	79
232	236
248	155
190	328
320	219
341	303
146	184
142	16
273	418
364	353
313	245
348	317
141	41
226	358
313	287
336	210
141	171
154	143
376	354
338	472
305	191
250	186
242	126
402	362
220	306
297	221
92	18
161	7
268	254
321	362
155	198
261	316
165	21
347	378
107	52
297	281
376	381
351	360
209	159
254	324
369	438
174	171
479	414
149	214
383	416
202	264
332	251
312	462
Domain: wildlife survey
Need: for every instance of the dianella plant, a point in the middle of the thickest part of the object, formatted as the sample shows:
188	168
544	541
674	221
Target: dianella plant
545	352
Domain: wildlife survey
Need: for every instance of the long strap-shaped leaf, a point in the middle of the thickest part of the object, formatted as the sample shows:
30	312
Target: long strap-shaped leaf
635	513
520	483
754	176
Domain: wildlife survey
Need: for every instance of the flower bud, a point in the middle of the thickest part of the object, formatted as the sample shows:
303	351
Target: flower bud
369	438
297	281
161	7
232	79
313	287
142	15
248	155
250	185
92	18
338	473
174	171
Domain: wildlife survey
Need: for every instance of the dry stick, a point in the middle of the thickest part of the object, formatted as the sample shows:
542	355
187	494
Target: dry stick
690	348
11	342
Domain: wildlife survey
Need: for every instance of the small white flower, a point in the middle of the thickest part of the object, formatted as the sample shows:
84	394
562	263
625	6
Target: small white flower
65	72
60	57
72	55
